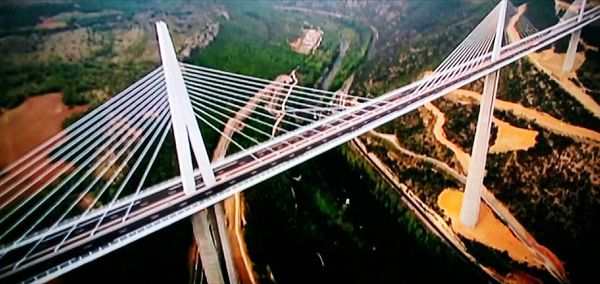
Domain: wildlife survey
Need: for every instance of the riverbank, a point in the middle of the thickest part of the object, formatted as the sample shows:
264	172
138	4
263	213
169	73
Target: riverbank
337	64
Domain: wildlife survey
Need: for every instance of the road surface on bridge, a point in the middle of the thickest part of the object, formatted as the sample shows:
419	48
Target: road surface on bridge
65	249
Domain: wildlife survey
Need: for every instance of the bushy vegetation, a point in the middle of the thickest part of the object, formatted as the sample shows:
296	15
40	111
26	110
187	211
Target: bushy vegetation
250	44
13	17
359	39
255	42
540	13
524	84
373	235
73	80
21	19
24	74
309	219
554	192
258	59
590	34
589	74
410	130
502	262
419	43
161	257
460	123
293	223
419	176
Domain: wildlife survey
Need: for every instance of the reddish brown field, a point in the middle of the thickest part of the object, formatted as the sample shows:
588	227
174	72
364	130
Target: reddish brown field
30	124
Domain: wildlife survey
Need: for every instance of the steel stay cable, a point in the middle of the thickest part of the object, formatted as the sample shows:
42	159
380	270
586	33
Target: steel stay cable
77	126
147	124
75	142
246	89
61	172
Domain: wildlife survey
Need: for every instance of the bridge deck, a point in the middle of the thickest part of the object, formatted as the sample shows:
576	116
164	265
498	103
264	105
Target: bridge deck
64	249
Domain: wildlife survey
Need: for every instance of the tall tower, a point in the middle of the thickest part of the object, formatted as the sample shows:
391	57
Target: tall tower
573	42
185	126
208	225
469	211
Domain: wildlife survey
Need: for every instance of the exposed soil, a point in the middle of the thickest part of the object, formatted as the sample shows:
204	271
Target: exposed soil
512	138
439	133
25	127
51	23
489	198
551	63
31	123
308	41
489	230
234	206
540	118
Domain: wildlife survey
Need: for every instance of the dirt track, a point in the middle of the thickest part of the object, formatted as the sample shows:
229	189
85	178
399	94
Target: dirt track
551	63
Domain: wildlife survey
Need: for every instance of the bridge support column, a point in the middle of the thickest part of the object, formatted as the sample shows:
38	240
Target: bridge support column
225	244
213	245
206	241
469	211
573	43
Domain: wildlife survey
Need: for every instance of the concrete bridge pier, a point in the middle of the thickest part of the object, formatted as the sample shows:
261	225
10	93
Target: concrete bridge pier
573	43
213	245
207	247
220	222
469	211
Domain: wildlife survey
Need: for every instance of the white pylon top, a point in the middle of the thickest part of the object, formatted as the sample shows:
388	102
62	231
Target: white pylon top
581	10
499	30
185	126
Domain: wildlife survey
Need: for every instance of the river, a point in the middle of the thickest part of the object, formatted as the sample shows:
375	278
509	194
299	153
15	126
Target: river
337	64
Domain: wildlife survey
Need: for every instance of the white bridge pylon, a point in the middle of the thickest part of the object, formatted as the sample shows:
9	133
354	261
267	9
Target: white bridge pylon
469	212
573	42
85	192
185	126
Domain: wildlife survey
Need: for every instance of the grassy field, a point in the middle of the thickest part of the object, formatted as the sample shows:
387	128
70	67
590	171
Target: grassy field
254	41
99	47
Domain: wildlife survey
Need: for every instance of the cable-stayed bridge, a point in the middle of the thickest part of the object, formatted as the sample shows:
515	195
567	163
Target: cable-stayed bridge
88	190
